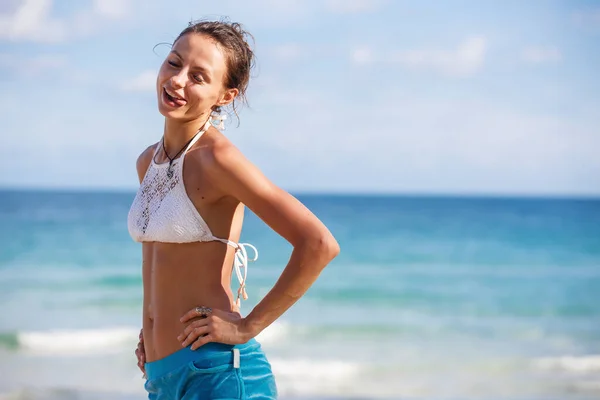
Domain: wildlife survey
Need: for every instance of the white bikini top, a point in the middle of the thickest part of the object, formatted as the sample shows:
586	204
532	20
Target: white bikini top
163	212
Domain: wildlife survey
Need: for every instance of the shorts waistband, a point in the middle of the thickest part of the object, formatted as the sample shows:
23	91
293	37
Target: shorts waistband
163	366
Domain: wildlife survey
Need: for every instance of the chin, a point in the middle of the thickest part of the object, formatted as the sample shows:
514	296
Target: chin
168	113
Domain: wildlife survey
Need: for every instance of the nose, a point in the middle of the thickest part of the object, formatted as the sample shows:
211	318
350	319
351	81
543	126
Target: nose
179	80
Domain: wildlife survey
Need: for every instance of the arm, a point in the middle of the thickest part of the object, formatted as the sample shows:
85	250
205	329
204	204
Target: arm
314	246
141	165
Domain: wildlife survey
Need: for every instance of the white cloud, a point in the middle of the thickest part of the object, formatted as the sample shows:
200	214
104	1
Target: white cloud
282	13
538	55
113	9
32	21
102	13
467	59
416	135
29	66
398	143
144	82
362	56
353	6
450	146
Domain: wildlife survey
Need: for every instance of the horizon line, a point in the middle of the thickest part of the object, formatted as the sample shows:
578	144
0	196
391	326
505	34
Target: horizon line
332	193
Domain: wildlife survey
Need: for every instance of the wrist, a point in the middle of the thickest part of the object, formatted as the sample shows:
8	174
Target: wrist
249	329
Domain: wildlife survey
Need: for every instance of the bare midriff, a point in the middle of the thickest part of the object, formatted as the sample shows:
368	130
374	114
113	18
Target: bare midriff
178	277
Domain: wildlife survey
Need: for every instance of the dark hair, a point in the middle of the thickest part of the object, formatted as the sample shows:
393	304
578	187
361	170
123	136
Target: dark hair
232	38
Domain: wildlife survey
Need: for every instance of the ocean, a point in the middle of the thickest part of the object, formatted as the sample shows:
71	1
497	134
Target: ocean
430	298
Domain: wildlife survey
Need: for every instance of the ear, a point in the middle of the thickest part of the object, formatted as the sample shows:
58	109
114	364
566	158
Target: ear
227	97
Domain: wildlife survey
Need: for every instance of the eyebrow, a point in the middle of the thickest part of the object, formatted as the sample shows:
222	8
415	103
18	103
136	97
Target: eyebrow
196	67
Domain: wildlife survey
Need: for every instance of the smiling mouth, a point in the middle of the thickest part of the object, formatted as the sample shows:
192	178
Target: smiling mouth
173	99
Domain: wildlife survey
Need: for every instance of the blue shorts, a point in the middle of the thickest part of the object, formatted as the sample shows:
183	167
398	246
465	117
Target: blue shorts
214	371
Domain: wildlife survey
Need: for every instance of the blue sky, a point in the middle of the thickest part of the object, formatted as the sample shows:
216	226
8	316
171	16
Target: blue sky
479	97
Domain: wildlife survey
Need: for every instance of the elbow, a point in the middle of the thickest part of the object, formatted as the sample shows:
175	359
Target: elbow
327	248
333	248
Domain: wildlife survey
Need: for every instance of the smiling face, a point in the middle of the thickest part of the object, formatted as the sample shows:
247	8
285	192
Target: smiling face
191	79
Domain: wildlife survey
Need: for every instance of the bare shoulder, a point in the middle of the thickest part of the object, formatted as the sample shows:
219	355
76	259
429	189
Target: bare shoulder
218	154
224	154
228	170
143	160
234	176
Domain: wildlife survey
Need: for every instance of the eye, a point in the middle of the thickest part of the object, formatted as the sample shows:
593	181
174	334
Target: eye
173	64
198	78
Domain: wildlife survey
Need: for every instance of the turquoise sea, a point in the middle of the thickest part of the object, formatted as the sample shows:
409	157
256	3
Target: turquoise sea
430	298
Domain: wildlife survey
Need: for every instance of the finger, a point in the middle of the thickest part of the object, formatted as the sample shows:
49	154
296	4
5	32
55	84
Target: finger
196	324
197	312
142	365
195	334
202	341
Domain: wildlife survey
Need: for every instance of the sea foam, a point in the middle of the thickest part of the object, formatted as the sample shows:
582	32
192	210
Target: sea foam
304	376
83	341
579	364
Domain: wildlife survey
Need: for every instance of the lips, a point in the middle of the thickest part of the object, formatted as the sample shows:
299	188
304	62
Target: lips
173	99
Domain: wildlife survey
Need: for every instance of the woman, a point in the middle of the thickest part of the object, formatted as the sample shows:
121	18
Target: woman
194	343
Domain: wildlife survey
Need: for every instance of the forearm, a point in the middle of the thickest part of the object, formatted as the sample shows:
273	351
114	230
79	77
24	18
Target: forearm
304	267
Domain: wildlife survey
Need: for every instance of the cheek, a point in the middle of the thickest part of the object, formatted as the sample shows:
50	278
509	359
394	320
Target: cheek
203	95
162	75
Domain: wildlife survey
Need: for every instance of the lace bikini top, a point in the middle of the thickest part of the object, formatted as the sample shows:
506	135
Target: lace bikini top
163	212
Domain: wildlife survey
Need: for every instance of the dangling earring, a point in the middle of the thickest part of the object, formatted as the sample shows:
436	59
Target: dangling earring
218	120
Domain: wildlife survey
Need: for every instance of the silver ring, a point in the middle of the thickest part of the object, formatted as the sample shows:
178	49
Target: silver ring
203	311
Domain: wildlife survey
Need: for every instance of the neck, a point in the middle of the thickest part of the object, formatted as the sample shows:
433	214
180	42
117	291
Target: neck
178	133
